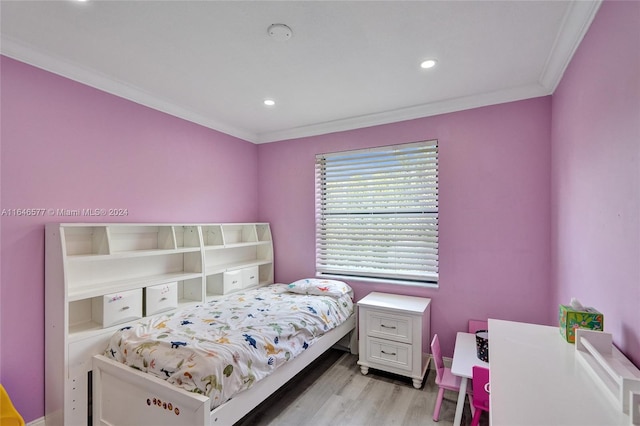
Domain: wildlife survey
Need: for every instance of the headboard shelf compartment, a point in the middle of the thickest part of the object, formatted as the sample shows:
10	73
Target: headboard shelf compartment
85	241
263	231
239	233
212	236
187	236
611	369
87	265
130	254
89	242
237	249
225	267
127	273
128	237
104	287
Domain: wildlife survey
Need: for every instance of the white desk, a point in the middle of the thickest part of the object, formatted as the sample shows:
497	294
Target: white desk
464	358
537	380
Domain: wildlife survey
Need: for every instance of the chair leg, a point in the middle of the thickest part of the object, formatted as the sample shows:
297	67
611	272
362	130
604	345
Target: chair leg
436	410
476	417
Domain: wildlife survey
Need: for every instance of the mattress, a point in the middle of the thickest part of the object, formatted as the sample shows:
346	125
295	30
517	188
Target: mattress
225	346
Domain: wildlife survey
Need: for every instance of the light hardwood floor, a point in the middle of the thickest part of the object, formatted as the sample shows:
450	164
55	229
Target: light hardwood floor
332	391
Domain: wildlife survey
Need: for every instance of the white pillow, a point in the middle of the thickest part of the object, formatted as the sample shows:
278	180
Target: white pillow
320	287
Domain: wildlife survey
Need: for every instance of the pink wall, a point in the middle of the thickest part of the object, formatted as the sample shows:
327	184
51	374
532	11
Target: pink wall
507	194
66	145
596	175
494	210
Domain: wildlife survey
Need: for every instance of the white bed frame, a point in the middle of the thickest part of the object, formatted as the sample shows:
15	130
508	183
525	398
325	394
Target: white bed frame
125	396
87	264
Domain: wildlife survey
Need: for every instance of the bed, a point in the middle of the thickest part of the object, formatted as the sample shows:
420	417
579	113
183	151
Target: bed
213	363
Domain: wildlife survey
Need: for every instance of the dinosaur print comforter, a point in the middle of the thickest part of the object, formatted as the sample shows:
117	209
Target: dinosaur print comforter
223	347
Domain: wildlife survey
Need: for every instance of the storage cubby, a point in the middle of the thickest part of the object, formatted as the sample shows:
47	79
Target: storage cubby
263	232
87	314
160	298
239	233
104	311
127	238
85	241
233	280
81	317
265	273
87	279
190	291
264	251
187	237
192	262
214	285
224	283
117	308
101	277
212	236
222	260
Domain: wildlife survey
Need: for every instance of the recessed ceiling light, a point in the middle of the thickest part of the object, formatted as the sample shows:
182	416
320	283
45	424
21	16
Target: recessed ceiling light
429	63
269	102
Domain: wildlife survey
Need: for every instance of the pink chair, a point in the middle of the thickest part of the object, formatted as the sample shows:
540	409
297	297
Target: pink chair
475	325
444	378
480	392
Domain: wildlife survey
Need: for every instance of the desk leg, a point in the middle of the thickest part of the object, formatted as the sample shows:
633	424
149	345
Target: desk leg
460	405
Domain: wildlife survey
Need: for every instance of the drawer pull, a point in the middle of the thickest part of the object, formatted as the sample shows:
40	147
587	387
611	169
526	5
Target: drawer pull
124	308
392	327
389	353
163	299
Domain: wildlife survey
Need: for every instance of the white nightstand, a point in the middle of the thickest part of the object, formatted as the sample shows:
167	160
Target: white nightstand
391	329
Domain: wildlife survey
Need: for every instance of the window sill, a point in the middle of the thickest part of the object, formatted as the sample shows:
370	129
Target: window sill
422	284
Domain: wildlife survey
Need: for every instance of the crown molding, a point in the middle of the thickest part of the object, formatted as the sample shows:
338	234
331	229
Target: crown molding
575	23
90	77
97	80
404	114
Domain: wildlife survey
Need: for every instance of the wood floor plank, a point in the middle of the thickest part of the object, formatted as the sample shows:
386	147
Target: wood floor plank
332	412
332	391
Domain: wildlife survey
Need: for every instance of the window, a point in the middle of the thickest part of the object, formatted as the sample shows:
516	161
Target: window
377	213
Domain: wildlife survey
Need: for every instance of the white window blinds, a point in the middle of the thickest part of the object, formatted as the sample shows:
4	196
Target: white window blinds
377	212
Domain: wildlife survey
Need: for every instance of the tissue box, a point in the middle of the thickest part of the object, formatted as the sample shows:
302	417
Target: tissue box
570	319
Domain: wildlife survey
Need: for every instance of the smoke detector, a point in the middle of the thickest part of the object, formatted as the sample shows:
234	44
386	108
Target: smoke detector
279	32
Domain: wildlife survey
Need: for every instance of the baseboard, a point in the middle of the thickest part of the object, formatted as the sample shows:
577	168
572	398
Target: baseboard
37	422
447	362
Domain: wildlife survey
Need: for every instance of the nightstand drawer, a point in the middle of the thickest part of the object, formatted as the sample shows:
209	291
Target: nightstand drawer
389	326
396	355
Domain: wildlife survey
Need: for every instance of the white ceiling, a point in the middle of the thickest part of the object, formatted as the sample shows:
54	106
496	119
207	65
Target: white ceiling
349	64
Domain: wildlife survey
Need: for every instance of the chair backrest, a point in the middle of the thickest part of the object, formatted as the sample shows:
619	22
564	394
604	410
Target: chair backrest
437	357
481	387
475	325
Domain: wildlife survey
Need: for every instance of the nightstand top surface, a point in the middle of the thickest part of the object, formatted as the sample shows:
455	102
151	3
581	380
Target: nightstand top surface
395	302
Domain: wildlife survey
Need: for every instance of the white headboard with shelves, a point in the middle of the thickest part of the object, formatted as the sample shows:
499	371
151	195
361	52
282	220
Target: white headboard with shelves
100	277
